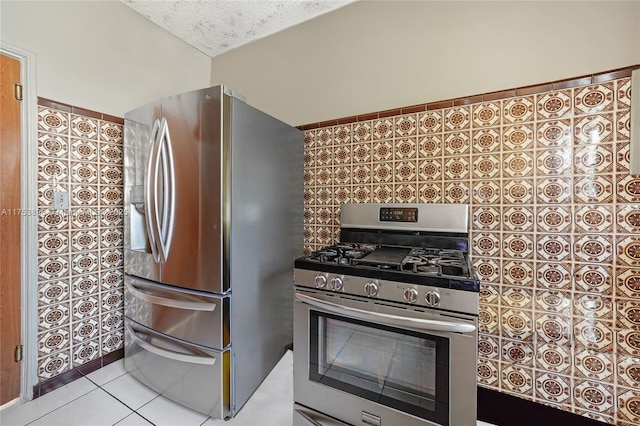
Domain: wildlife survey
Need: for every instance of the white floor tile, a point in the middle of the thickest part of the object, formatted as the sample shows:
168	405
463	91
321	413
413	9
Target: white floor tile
21	414
96	408
130	391
108	373
133	419
164	412
484	424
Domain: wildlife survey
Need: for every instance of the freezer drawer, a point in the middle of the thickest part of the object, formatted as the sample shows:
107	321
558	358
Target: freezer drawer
190	375
197	317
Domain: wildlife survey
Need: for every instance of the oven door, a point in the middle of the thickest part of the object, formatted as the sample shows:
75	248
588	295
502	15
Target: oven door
368	363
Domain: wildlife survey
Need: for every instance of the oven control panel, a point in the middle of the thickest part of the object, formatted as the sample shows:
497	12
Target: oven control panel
398	214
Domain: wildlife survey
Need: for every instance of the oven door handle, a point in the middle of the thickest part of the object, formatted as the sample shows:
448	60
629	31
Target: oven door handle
387	319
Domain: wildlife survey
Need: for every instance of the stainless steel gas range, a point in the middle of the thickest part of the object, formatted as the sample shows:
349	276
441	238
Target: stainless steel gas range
385	322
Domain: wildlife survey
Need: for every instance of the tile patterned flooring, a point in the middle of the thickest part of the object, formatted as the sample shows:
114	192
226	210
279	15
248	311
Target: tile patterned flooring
110	396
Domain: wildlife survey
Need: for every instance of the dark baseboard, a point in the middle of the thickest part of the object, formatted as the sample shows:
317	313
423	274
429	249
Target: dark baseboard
505	410
71	375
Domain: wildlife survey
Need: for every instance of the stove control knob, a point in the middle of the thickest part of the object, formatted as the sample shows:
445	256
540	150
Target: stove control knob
432	298
411	295
321	281
371	289
335	284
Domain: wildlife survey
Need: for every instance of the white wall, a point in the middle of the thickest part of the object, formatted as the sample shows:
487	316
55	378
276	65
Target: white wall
376	55
101	55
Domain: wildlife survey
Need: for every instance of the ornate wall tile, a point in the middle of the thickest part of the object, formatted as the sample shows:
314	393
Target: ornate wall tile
623	93
53	316
111	132
518	246
628	370
53	171
53	292
488	346
84	308
112	321
553	190
518	380
486	166
341	175
52	243
362	194
628	218
552	387
594	334
84	196
628	314
518	273
516	297
324	137
628	188
430	146
456	192
84	173
555	276
309	139
594	365
85	285
342	155
45	194
324	215
111	300
430	122
323	176
84	262
309	158
405	149
486	192
554	358
594	159
489	294
405	193
309	177
594	396
594	129
429	192
53	365
406	125
593	278
111	196
53	267
86	239
457	143
622	157
486	140
518	110
486	114
594	99
488	319
553	218
382	151
488	269
553	247
554	329
110	279
405	171
555	133
342	134
594	218
112	342
383	129
517	191
593	248
82	218
486	244
111	175
517	353
362	152
593	189
324	235
628	342
516	324
457	118
488	373
486	218
342	195
518	219
52	220
84	150
382	193
430	170
517	165
456	168
591	305
628	250
84	127
52	120
628	405
52	145
362	131
112	258
553	301
52	341
85	352
554	162
551	105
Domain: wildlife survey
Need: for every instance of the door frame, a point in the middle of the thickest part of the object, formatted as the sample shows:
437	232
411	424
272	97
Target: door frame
29	224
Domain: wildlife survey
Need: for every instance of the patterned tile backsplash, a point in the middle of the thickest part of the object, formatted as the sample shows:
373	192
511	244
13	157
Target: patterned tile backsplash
80	249
555	230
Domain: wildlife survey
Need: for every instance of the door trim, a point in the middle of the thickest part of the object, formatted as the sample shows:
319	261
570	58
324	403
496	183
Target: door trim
29	225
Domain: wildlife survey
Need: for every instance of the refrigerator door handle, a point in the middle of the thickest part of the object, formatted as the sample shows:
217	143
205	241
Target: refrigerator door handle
168	190
166	353
193	303
149	194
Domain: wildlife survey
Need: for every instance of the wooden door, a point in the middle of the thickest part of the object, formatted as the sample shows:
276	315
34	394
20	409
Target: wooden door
9	229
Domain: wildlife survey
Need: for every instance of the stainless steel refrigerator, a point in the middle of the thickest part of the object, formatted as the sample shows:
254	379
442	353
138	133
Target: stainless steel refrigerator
213	204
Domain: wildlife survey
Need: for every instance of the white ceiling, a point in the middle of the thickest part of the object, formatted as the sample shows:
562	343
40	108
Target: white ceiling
215	26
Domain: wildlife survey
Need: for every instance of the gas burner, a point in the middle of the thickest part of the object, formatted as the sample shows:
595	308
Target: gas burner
341	253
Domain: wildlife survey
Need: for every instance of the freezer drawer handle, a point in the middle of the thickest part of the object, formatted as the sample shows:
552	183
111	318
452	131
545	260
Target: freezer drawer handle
165	353
193	305
415	323
149	195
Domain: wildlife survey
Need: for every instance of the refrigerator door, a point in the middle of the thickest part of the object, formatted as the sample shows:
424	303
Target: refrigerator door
142	127
191	225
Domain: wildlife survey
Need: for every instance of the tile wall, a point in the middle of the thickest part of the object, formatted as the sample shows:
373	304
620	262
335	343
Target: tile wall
555	229
80	250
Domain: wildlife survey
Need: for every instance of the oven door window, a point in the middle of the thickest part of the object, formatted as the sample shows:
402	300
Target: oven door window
402	369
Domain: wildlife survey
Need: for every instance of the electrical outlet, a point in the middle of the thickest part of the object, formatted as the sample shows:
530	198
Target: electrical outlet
60	200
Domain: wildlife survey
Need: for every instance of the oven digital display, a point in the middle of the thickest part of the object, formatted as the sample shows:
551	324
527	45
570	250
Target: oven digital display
398	214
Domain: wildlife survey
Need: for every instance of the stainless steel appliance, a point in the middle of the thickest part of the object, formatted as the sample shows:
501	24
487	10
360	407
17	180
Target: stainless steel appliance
212	185
385	322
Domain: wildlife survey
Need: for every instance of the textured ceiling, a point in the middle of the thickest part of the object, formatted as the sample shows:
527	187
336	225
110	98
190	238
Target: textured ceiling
214	26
